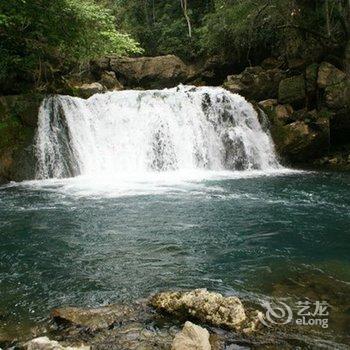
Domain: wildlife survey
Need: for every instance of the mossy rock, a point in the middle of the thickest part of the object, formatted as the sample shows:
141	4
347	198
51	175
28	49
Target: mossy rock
329	75
18	121
292	90
300	141
338	96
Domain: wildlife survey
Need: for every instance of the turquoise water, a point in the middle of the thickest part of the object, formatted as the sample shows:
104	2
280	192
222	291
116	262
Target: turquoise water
72	242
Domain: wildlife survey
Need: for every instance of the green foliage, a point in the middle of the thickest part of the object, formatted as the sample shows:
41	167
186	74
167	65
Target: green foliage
45	36
160	26
43	39
236	29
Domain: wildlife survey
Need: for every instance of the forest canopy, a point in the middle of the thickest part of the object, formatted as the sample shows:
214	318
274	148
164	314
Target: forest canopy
43	38
232	27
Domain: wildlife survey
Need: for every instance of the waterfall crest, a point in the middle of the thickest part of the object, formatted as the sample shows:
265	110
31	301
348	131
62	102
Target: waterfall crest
183	128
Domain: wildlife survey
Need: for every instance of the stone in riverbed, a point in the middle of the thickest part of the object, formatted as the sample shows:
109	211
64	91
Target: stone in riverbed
44	343
192	337
208	307
93	319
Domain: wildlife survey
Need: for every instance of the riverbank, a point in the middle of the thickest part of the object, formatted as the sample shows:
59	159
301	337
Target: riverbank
156	323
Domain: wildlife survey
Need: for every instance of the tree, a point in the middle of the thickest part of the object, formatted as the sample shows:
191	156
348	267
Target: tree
184	9
42	38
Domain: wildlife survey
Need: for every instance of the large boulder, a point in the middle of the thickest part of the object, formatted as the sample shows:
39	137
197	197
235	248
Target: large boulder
300	142
299	135
255	83
207	307
150	72
192	337
292	90
329	75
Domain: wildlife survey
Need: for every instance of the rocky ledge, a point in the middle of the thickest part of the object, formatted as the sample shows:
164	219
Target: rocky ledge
307	105
177	320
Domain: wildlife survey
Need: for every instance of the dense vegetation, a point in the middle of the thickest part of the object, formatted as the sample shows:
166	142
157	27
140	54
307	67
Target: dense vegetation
42	39
238	30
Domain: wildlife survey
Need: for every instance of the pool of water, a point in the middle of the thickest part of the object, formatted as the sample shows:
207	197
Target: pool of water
89	242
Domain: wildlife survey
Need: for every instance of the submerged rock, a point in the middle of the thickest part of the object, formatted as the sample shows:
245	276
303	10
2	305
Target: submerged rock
44	343
208	307
192	337
93	319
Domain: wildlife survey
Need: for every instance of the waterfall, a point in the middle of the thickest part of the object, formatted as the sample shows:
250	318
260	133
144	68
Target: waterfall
183	128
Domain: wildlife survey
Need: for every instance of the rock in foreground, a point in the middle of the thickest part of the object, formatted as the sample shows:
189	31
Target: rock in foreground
44	343
192	337
207	307
93	319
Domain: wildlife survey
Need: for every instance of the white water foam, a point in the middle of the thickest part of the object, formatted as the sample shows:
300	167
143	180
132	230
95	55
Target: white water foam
128	142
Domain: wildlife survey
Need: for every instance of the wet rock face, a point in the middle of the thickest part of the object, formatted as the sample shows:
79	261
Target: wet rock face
208	307
302	142
299	136
93	319
192	337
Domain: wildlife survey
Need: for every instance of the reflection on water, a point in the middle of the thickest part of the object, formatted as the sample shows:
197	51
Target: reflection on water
81	243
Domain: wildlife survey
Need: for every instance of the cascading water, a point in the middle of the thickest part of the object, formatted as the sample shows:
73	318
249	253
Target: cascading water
183	128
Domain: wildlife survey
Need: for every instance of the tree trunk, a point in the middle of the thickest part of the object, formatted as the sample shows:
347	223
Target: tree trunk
328	24
184	9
